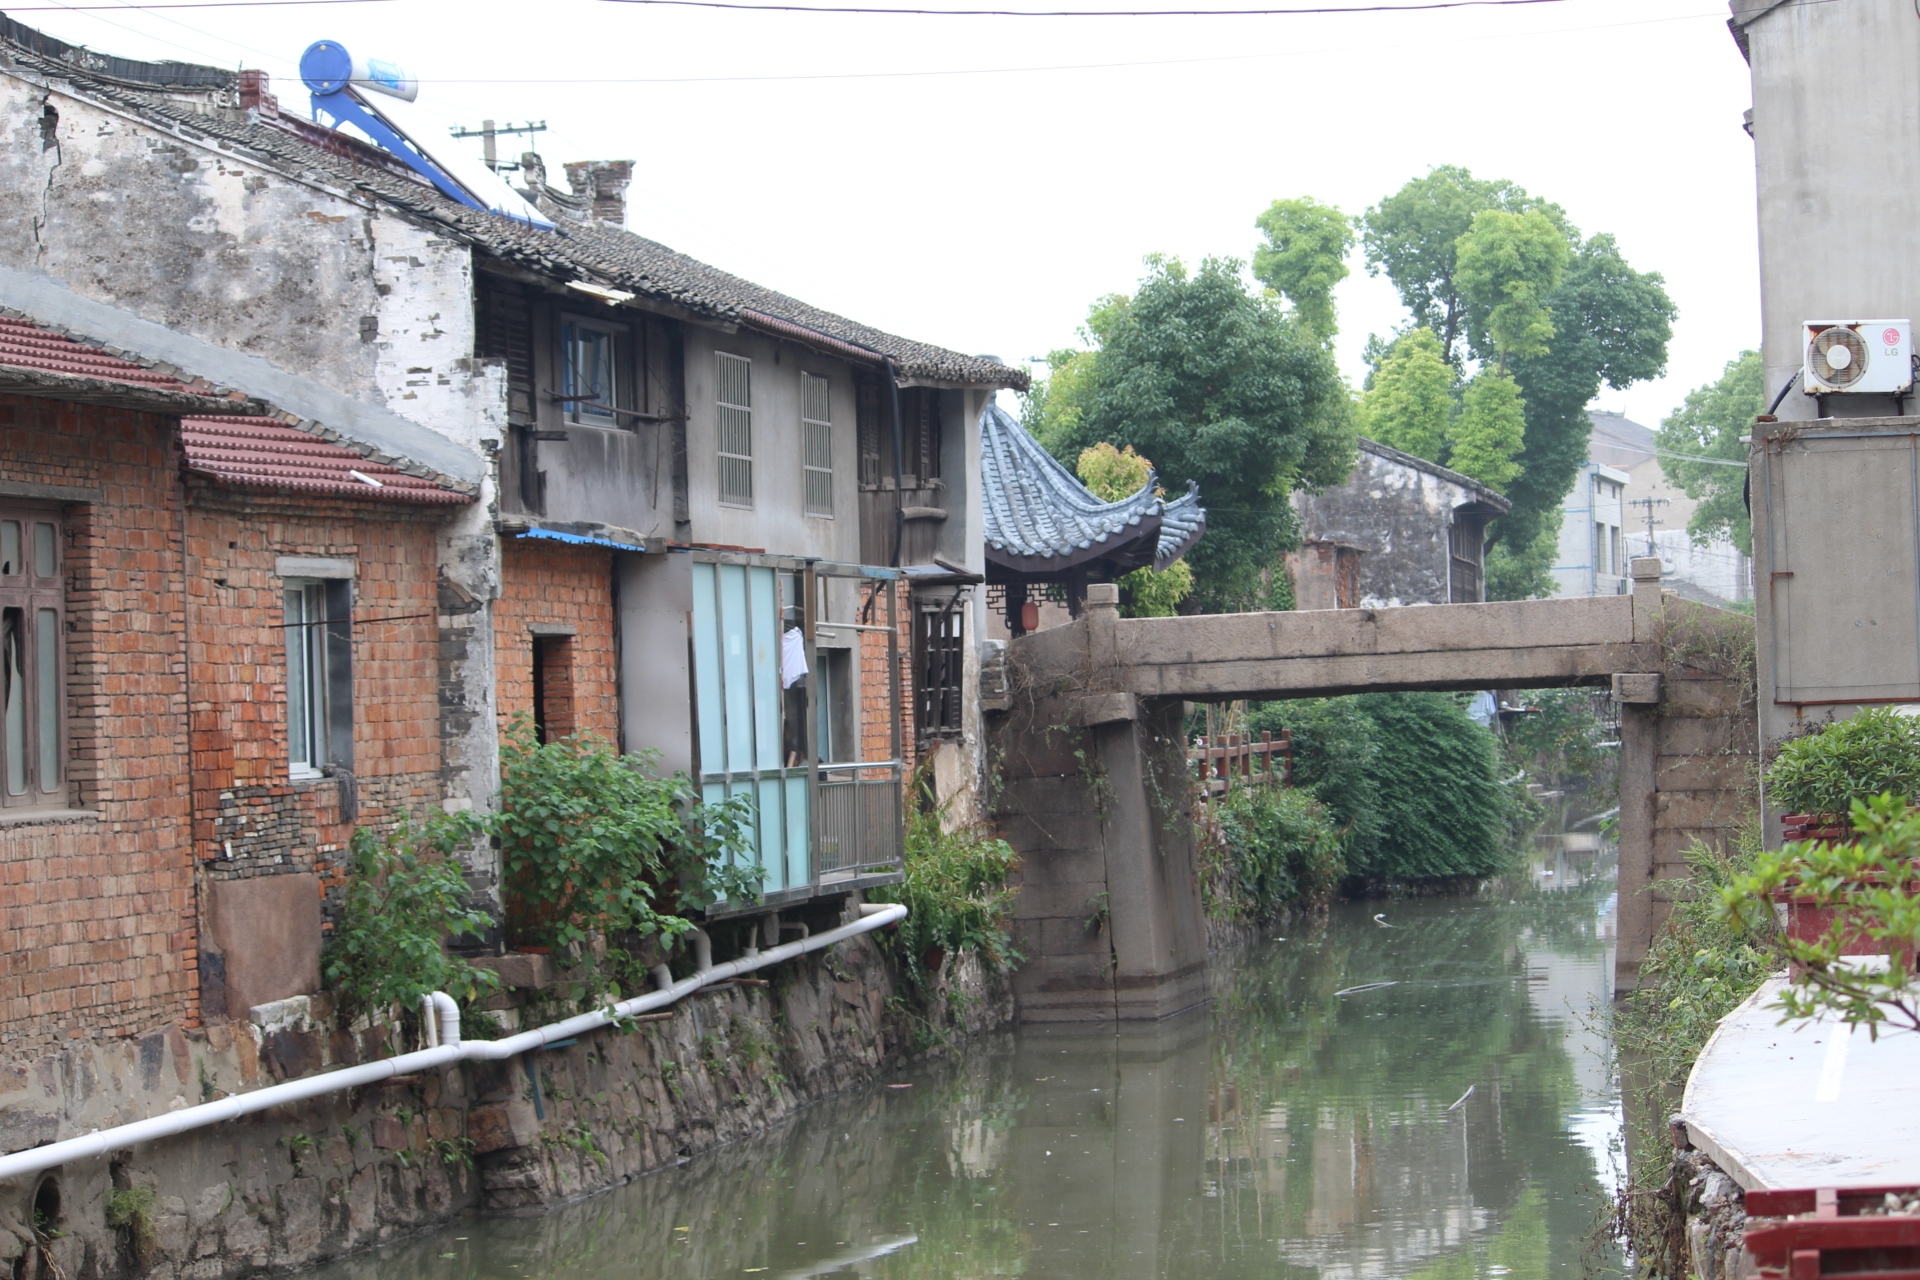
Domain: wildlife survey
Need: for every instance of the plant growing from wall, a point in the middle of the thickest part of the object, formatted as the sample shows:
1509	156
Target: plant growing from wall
597	843
130	1209
1826	772
956	894
405	895
1699	968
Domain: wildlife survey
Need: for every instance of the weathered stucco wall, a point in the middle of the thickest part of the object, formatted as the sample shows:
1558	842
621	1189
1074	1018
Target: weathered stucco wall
1399	516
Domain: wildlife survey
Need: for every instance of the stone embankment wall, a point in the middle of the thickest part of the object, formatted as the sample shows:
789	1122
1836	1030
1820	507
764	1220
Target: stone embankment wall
304	1183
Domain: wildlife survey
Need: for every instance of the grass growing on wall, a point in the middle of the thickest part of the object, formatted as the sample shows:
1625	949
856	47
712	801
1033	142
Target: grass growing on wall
955	890
1697	971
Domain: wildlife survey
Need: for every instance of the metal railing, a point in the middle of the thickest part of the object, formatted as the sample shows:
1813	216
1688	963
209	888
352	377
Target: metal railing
858	818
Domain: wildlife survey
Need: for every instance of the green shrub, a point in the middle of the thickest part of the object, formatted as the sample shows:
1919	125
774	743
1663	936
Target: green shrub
1562	737
1873	751
956	894
1436	785
1869	885
405	894
1333	756
595	842
1281	848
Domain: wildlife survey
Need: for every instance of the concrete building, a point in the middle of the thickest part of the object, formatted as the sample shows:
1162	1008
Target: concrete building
657	470
1716	572
1401	530
1837	156
1592	554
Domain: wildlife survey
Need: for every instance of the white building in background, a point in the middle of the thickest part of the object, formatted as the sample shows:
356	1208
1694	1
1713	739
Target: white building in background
1623	492
1592	559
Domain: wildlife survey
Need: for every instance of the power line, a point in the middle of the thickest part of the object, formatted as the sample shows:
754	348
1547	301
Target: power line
1086	13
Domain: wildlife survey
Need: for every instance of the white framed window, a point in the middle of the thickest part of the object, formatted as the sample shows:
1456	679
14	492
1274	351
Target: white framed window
733	420
319	675
589	372
816	442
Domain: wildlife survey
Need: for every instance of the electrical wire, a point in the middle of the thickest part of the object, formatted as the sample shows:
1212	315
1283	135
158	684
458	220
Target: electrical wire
1094	13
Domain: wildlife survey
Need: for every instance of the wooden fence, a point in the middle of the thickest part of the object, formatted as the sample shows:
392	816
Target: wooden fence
1218	762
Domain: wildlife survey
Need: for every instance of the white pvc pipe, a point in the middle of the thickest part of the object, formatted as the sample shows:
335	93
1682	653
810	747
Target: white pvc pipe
449	1050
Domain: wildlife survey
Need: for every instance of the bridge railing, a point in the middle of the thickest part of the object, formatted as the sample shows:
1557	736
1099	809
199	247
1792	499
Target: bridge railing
1219	762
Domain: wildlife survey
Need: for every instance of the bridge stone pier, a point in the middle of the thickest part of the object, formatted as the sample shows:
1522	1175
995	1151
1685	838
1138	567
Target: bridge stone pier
1093	785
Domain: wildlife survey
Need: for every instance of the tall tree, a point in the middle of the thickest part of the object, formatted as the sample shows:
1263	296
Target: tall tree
1412	236
1486	435
1410	402
1506	266
1601	321
1111	474
1219	385
1304	257
1709	424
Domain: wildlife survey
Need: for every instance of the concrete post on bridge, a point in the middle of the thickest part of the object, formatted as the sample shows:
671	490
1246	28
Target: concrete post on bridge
1094	793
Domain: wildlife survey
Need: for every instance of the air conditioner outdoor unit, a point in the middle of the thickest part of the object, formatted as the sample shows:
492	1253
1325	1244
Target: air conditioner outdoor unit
1858	357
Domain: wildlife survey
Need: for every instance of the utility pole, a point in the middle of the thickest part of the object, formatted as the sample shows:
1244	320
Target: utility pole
1650	504
487	132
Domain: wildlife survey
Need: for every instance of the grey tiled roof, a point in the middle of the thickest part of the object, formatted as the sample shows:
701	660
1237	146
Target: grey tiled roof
592	252
1182	521
1040	519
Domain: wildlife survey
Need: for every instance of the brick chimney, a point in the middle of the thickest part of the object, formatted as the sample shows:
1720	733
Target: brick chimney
603	184
254	94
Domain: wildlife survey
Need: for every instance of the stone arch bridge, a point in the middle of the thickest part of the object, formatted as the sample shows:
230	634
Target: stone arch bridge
1093	792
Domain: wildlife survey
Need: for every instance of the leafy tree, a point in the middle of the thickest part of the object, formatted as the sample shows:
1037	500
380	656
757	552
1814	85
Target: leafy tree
1506	266
1219	386
1598	321
1709	425
1412	236
1304	257
1112	474
1410	400
1485	438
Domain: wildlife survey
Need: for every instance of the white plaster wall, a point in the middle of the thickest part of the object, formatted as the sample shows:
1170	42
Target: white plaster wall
775	523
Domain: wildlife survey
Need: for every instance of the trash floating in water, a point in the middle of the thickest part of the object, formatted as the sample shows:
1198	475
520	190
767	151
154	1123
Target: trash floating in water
1380	918
1365	986
899	1086
1463	1097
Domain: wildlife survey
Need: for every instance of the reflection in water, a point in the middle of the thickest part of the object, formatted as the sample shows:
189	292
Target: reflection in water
1285	1132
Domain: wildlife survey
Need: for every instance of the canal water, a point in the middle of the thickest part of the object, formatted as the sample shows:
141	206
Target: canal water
1460	1122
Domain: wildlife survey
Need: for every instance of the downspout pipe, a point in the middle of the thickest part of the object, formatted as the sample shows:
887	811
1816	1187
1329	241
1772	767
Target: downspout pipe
899	473
445	1027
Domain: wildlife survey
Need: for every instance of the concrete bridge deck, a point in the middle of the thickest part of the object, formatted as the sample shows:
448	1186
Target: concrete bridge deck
1095	792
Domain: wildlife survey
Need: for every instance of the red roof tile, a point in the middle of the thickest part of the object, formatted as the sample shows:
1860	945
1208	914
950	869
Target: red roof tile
266	453
28	346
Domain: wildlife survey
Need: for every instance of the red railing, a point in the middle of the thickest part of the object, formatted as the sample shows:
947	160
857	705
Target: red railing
1218	762
1854	1231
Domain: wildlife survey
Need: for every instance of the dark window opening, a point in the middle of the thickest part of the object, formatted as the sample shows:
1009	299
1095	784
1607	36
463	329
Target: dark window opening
1466	556
553	687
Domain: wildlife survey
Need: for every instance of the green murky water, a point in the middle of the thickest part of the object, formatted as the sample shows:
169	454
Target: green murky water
1286	1131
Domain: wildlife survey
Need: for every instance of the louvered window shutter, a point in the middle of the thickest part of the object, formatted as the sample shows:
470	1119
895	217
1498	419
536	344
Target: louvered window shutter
816	430
733	415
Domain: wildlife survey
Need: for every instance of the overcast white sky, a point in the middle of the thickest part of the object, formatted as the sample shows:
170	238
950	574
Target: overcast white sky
1024	166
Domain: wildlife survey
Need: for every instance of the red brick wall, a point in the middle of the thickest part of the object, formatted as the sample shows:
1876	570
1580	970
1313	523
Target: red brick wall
97	916
876	724
567	586
236	655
